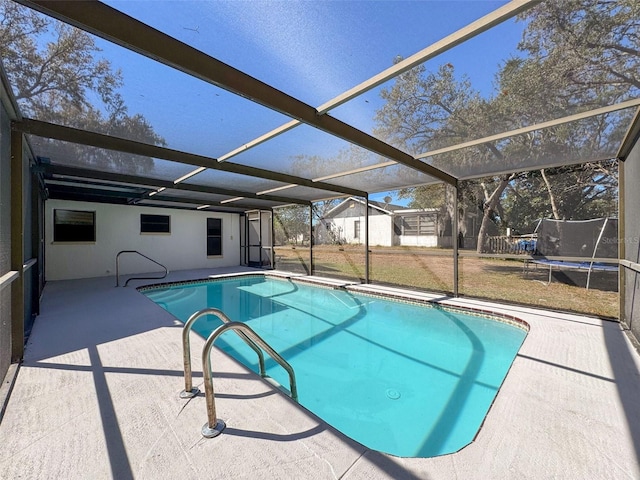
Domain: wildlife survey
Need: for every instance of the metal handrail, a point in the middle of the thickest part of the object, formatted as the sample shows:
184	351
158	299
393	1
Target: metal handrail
214	426
189	391
166	272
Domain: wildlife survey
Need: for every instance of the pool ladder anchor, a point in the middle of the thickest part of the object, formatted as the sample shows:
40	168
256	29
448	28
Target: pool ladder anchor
214	425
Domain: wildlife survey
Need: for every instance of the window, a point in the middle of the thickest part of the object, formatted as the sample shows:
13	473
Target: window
410	225
356	229
214	237
74	226
155	223
419	225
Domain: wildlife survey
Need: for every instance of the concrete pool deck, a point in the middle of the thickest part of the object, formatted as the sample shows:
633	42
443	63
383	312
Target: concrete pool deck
97	397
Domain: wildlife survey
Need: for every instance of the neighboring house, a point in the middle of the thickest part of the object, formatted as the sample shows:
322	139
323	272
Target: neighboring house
389	225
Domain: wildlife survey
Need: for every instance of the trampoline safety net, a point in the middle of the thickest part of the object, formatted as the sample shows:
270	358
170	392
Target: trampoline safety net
596	238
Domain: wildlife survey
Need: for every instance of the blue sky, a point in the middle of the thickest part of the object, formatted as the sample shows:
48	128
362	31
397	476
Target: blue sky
312	50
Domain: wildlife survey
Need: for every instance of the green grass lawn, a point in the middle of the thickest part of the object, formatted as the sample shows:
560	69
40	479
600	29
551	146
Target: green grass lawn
488	278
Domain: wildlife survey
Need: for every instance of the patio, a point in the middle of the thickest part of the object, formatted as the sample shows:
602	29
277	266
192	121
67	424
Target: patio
97	397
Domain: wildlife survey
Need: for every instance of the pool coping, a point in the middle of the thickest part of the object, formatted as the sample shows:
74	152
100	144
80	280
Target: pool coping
385	292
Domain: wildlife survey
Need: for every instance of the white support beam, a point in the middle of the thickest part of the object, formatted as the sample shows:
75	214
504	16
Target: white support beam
500	136
475	28
531	128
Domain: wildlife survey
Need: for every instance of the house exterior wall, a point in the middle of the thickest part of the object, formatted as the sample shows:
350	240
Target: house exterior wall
407	227
386	228
380	229
118	228
418	240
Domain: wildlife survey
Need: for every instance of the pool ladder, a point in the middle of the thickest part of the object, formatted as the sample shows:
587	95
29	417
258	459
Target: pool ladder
214	425
166	272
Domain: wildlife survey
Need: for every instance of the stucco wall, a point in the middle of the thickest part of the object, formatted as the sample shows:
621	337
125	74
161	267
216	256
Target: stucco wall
380	229
380	232
418	240
118	228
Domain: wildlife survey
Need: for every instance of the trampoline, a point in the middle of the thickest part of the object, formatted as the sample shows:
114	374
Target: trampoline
591	242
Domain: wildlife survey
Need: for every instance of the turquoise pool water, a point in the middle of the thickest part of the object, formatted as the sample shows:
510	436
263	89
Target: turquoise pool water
405	379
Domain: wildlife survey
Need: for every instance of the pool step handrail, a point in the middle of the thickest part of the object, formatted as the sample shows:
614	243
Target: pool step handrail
214	425
166	272
189	391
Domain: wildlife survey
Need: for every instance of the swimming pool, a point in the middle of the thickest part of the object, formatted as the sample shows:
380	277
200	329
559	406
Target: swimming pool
409	379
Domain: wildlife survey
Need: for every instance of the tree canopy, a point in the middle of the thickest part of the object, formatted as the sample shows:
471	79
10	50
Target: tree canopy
58	76
574	56
291	225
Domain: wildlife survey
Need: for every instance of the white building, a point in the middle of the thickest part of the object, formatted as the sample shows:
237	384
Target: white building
389	225
82	239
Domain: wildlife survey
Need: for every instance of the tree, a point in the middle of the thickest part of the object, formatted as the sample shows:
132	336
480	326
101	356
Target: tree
579	192
587	45
430	110
580	55
577	55
291	224
57	76
427	110
427	196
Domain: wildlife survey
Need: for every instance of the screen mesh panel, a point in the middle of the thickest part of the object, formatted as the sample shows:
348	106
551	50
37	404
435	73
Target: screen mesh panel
385	178
82	156
211	121
200	196
631	240
188	206
218	178
307	152
319	51
592	139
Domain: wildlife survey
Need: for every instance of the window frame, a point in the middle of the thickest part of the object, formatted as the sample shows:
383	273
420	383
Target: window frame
418	225
215	253
71	235
156	222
